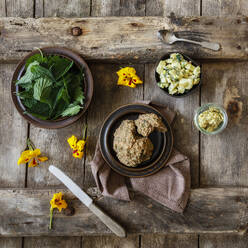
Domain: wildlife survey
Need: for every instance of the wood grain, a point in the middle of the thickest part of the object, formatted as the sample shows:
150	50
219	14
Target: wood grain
224	7
52	242
166	7
111	38
132	8
66	8
227	241
11	242
169	241
210	210
224	157
132	241
13	134
20	8
105	8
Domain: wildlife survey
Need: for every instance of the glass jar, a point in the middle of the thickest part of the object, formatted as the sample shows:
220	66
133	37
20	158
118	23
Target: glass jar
205	107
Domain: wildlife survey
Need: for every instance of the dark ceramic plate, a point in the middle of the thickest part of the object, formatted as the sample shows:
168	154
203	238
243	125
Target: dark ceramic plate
187	92
87	86
163	142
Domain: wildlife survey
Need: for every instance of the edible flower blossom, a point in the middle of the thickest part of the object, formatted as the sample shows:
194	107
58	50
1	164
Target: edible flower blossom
31	156
56	202
77	145
128	77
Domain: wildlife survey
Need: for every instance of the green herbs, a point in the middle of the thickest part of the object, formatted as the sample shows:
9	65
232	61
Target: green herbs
51	87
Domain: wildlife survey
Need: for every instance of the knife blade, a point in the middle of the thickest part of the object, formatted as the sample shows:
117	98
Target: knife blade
87	201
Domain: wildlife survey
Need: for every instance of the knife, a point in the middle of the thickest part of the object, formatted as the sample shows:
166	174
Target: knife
87	201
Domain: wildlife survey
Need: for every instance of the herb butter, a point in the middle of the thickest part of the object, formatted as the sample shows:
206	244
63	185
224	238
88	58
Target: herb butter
210	119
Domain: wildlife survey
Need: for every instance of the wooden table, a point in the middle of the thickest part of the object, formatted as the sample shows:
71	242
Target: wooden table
217	212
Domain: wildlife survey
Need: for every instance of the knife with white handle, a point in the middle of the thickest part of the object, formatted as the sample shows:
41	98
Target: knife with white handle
87	201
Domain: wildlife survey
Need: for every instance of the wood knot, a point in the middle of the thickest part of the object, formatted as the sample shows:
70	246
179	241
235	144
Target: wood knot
233	107
76	31
134	24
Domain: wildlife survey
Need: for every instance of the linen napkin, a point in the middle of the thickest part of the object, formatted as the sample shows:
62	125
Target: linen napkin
170	186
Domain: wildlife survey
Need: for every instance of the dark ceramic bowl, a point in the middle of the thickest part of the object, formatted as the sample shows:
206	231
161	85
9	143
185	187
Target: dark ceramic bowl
87	86
162	142
187	92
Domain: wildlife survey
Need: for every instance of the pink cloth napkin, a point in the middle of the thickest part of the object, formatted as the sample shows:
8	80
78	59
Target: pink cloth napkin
170	186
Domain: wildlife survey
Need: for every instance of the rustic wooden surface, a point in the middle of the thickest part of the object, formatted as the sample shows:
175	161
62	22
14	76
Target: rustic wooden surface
205	170
115	39
207	212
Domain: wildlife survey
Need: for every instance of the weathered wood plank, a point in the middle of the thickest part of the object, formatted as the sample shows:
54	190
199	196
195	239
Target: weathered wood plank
210	210
132	8
169	241
165	7
66	8
220	241
3	8
107	97
224	157
11	242
128	38
13	134
131	241
224	7
52	242
20	8
105	8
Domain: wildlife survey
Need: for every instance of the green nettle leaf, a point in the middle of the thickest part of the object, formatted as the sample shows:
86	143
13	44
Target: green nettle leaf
42	89
78	95
52	87
59	66
38	58
42	72
26	94
29	76
71	110
29	102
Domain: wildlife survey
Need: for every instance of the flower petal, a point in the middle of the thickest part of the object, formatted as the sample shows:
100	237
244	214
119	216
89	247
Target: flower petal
78	154
33	163
42	159
72	141
35	153
25	157
80	145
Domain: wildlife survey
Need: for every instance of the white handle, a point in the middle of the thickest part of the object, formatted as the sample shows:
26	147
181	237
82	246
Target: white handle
209	45
111	224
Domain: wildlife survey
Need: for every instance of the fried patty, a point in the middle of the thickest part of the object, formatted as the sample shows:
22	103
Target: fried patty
147	123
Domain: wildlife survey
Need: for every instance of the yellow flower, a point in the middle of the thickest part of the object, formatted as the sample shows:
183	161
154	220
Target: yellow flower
72	141
128	77
80	145
78	154
32	156
77	145
58	202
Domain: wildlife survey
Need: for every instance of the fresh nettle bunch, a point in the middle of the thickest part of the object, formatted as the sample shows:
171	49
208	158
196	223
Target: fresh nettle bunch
51	87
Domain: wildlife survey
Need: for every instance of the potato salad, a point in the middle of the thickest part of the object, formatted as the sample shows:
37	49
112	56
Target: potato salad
177	74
